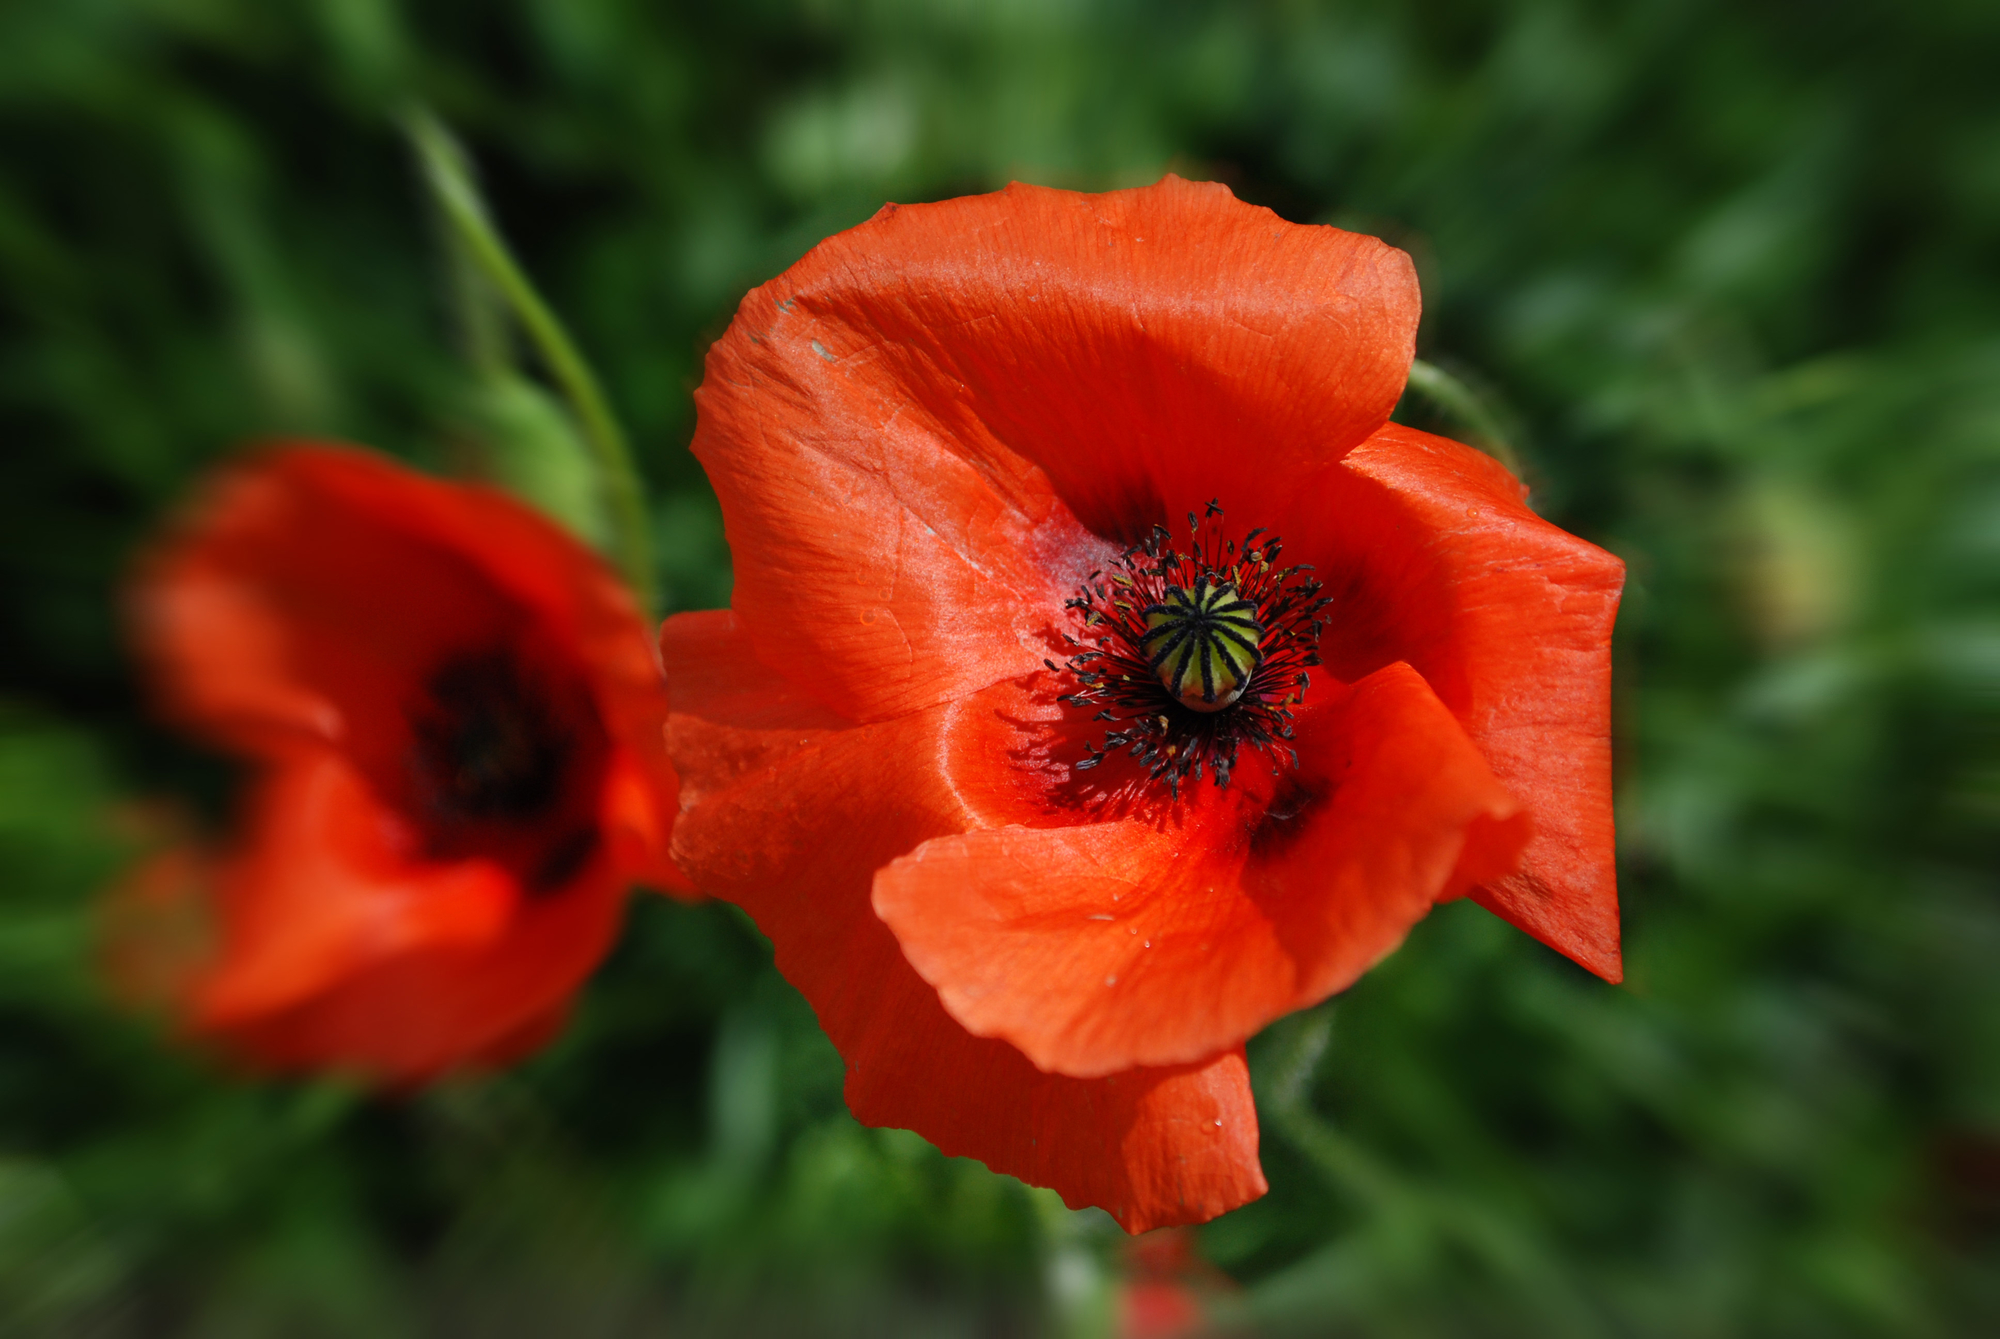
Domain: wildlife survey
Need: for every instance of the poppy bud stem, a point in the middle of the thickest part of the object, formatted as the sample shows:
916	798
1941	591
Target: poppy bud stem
1300	1043
1465	405
449	177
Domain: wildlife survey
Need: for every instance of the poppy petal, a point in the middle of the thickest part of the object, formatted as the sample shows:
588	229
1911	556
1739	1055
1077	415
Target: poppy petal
411	1017
1433	558
926	432
1151	1146
789	815
337	950
324	889
731	714
1096	948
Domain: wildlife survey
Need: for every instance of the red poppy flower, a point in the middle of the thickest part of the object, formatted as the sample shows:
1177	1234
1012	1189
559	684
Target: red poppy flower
454	715
1166	1287
1052	780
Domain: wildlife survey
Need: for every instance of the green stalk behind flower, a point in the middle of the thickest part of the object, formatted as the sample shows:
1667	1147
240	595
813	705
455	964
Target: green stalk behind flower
449	176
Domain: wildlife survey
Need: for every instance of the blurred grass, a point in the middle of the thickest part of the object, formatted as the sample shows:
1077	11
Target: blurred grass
1728	277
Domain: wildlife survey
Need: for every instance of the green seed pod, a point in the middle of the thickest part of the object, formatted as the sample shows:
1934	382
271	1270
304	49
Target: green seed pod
1203	644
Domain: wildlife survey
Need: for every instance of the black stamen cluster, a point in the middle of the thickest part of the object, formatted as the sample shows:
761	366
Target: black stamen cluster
1119	677
497	756
484	744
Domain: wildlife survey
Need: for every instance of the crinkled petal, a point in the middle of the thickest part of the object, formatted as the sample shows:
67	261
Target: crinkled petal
1161	940
1433	557
925	433
789	814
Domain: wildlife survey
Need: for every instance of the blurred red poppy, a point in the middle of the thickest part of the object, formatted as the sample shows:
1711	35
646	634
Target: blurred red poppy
453	714
1045	509
1165	1288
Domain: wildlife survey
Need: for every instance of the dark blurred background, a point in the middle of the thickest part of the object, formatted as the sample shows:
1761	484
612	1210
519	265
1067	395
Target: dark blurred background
1726	273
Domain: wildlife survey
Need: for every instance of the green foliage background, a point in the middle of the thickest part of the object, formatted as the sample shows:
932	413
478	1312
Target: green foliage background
1728	273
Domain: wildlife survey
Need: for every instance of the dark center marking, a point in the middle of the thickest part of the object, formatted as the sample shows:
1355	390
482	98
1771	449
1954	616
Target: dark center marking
484	745
504	760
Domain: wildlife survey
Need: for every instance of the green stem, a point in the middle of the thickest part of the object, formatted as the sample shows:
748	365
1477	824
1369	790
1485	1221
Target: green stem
450	178
1512	1247
482	315
1461	402
1289	1100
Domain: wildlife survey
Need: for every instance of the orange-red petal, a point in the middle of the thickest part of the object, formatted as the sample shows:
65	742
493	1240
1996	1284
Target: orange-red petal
1434	558
412	1017
790	811
1162	939
905	427
327	884
336	948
